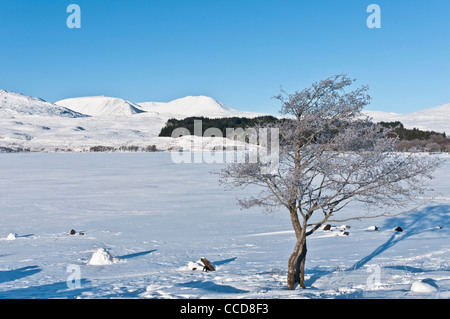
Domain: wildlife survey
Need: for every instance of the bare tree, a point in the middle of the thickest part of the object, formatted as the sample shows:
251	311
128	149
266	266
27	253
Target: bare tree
329	156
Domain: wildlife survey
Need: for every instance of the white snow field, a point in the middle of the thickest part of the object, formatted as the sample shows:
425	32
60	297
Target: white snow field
141	222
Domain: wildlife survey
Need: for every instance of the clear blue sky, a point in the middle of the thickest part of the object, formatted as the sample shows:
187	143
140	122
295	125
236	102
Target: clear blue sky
238	52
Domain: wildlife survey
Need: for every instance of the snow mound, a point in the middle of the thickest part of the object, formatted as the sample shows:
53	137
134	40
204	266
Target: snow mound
197	265
422	287
16	103
101	106
102	257
12	236
195	106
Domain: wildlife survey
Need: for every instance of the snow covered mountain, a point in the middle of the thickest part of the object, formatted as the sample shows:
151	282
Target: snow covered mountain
12	103
432	119
195	106
101	106
77	124
179	108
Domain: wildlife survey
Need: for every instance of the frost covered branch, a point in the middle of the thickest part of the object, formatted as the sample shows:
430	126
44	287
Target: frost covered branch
329	156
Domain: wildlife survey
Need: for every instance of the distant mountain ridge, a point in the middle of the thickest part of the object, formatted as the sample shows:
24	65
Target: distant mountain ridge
196	106
98	122
27	105
183	107
101	106
83	124
431	119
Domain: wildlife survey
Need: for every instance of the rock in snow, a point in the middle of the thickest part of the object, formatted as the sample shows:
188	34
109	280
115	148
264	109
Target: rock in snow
201	264
102	257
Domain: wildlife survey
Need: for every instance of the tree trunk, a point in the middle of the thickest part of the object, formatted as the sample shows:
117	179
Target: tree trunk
296	265
301	265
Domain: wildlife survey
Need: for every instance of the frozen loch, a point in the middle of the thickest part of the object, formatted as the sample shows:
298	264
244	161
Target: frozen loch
141	221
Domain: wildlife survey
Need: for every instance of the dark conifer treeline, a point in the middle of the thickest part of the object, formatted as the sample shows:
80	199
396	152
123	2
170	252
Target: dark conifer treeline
409	134
410	139
221	123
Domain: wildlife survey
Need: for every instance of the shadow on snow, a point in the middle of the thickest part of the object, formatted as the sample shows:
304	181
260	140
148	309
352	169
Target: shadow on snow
58	290
14	274
134	255
414	224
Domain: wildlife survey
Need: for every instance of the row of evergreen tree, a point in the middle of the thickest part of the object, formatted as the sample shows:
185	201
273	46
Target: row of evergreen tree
220	123
409	134
242	122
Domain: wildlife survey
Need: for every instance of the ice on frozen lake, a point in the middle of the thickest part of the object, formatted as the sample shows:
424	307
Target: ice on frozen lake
148	219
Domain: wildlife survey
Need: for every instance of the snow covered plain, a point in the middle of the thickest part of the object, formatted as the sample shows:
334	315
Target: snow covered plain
154	218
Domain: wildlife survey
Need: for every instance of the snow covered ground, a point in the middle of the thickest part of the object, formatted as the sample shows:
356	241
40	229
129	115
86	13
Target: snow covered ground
141	221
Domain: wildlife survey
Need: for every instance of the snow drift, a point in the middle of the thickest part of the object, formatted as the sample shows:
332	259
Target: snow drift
102	257
422	287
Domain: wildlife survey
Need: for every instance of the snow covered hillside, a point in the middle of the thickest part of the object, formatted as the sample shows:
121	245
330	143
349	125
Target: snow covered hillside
101	106
195	106
77	124
141	221
179	108
432	119
15	104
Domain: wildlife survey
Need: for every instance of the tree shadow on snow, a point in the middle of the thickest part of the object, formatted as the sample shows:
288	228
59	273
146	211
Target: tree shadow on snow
14	274
414	270
413	224
211	286
225	261
316	274
57	290
134	255
26	236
